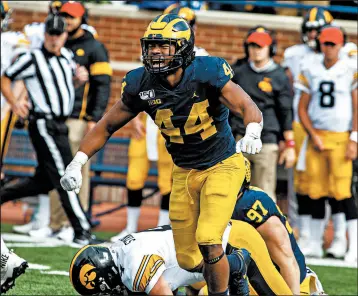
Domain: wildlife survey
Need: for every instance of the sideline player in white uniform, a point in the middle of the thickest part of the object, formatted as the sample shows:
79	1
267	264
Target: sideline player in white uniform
328	111
147	144
146	262
294	59
12	44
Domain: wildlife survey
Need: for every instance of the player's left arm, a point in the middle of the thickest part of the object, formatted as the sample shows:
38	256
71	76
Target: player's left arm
279	246
240	103
161	288
353	139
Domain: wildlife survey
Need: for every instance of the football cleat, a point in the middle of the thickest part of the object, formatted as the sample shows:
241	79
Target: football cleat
338	248
12	266
26	228
351	256
238	282
43	232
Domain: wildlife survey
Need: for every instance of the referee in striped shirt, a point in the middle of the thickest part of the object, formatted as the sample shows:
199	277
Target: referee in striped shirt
50	75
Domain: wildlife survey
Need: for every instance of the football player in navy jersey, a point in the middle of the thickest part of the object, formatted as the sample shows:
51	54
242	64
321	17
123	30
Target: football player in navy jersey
189	99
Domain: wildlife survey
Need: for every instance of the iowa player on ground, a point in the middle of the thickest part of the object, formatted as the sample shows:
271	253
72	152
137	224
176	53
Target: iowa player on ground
189	99
146	262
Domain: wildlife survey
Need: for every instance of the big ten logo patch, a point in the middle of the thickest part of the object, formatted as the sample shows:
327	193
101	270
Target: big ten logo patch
154	102
265	85
87	276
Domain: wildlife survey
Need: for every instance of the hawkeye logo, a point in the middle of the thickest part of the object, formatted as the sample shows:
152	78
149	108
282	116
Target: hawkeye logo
87	276
265	85
147	94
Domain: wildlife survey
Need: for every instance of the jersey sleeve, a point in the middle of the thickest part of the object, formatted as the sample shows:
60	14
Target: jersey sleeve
146	273
21	68
130	92
257	208
302	83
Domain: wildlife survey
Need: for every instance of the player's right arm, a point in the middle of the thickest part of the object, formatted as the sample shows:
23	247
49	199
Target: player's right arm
119	115
279	246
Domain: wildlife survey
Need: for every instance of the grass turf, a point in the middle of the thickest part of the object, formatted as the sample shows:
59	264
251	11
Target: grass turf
335	280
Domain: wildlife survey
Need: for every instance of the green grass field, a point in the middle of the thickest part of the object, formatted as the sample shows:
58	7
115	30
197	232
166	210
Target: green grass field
335	280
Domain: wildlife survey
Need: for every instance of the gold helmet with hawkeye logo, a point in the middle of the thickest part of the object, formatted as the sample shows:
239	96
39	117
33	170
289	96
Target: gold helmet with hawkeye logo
173	30
93	272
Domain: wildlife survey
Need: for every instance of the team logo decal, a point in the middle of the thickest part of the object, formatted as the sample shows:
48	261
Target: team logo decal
80	52
265	85
87	276
147	94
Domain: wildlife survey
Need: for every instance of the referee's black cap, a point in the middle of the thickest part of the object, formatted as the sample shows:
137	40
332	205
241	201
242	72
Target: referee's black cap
55	25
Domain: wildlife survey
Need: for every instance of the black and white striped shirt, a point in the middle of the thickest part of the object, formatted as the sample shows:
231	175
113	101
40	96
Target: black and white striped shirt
48	79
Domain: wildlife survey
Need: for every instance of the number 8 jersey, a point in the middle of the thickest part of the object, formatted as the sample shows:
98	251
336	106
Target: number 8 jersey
331	93
190	116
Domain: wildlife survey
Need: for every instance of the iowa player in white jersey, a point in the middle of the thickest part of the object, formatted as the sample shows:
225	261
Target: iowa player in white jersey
294	59
328	112
146	262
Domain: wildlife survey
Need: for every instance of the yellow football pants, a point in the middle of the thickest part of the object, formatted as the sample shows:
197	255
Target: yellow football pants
201	205
300	178
329	172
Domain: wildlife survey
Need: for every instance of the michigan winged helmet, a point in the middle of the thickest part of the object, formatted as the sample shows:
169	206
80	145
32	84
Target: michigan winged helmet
173	30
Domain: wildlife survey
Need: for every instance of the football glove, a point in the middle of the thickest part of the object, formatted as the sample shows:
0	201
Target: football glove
72	179
251	142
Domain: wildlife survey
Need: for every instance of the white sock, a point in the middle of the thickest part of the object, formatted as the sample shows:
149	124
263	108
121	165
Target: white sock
317	231
132	219
163	217
43	213
305	226
4	248
352	234
339	225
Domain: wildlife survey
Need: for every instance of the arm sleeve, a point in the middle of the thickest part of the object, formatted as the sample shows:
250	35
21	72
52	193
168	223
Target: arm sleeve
284	103
259	209
130	96
302	83
224	73
100	73
149	270
21	68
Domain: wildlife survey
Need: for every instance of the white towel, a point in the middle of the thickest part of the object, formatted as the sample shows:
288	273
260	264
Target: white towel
152	139
301	162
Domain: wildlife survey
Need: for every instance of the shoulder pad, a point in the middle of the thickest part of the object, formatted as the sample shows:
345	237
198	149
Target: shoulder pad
208	68
133	80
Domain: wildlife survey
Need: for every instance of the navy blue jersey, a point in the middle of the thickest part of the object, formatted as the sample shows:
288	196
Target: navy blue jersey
190	116
256	207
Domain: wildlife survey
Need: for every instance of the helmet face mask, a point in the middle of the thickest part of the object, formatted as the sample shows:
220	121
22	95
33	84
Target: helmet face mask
169	30
315	19
94	272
